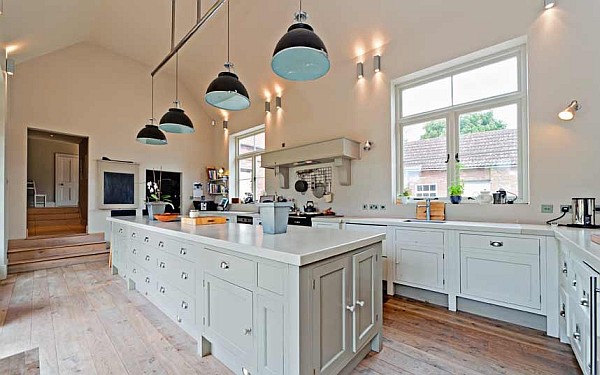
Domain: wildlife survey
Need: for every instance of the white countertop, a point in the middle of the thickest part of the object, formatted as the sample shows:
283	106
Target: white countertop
582	240
226	213
299	246
530	229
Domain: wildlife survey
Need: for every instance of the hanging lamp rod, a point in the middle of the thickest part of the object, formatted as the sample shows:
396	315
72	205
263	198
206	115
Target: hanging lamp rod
201	21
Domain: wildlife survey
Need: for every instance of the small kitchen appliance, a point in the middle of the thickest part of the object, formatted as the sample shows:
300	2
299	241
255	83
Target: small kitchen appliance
205	205
584	212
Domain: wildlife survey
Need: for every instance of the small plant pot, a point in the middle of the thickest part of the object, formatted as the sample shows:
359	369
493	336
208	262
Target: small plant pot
455	199
155	208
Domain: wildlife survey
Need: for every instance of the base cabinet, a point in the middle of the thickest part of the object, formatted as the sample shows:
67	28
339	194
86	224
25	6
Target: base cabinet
419	258
345	308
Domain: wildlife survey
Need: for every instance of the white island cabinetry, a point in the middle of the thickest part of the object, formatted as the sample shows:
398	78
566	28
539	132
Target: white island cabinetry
261	304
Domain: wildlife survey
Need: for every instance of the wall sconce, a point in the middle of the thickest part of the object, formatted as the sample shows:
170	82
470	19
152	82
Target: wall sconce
278	102
548	4
213	122
368	145
267	106
377	63
225	124
568	113
359	70
10	66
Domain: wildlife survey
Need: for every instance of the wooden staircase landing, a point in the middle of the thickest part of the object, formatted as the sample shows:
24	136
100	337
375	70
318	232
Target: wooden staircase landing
55	251
44	221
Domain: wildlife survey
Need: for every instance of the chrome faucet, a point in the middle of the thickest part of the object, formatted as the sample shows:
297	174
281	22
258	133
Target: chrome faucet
428	209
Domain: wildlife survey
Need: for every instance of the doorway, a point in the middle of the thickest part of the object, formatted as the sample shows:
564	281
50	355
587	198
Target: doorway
57	183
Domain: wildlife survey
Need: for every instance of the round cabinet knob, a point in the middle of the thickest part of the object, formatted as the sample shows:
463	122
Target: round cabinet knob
134	270
161	244
121	230
184	305
564	270
178	319
184	275
584	302
147	280
146	239
133	235
225	265
576	335
247	331
134	251
183	251
162	265
351	308
162	289
147	258
360	303
574	282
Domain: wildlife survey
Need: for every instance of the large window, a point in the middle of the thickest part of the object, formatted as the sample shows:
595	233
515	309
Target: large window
249	176
464	122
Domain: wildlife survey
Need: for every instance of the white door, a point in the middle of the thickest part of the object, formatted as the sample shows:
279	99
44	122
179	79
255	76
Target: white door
66	171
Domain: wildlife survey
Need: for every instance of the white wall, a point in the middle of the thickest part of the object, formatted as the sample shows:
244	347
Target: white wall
89	91
41	163
563	65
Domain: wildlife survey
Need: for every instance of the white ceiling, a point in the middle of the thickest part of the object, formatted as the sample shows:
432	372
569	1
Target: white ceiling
140	29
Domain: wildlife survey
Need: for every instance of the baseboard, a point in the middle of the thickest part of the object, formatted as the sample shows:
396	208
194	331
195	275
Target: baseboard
3	271
423	295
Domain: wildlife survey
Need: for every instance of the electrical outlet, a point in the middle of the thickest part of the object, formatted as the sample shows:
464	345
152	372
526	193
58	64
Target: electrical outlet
565	208
547	208
373	206
365	206
382	207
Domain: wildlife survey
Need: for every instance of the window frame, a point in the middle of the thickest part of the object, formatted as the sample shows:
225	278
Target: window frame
235	157
514	48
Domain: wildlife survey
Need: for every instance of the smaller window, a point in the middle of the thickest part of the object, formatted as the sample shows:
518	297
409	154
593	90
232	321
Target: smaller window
426	191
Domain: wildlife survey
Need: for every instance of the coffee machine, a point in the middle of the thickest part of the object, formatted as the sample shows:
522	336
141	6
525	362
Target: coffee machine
584	213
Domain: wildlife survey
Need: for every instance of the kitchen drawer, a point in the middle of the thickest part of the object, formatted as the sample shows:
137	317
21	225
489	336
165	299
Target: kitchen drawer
148	257
230	267
500	243
583	275
420	238
179	248
179	306
145	282
579	335
271	277
139	235
176	271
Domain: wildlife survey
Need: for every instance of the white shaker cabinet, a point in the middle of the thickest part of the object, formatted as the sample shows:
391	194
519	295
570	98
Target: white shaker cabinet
420	258
502	269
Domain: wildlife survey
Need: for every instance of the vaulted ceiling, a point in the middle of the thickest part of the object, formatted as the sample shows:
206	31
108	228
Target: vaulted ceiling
140	29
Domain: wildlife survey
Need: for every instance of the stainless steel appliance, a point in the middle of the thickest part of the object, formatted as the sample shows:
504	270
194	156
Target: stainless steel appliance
584	212
302	219
205	205
242	219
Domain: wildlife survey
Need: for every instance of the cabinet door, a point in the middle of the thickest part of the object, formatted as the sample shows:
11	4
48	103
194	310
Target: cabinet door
388	259
332	315
228	314
507	277
271	345
365	271
420	266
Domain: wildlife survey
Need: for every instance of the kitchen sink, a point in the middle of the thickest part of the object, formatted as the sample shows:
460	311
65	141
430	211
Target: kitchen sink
424	221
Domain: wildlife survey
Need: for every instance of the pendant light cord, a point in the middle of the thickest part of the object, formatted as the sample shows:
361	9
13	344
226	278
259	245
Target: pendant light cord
300	6
152	102
228	59
177	77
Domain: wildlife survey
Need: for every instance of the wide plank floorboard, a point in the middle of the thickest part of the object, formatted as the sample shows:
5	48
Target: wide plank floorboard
82	319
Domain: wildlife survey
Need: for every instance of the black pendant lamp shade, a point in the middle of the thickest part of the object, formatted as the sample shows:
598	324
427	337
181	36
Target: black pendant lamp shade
227	92
300	54
151	135
176	121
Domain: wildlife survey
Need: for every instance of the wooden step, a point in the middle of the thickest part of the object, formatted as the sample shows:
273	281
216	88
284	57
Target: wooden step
24	255
54	241
56	230
54	222
51	210
52	216
53	263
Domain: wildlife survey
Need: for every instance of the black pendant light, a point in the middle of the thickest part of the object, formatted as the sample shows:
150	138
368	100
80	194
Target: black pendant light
151	134
227	91
300	54
175	120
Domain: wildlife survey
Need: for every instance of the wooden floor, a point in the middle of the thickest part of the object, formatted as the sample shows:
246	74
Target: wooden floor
84	320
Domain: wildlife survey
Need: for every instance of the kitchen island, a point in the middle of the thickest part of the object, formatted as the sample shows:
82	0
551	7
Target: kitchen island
304	302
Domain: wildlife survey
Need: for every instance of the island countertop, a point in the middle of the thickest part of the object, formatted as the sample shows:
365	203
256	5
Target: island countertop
300	246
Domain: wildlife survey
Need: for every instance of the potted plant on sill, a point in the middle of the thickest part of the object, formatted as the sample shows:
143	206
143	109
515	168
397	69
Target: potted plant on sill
457	188
403	198
157	202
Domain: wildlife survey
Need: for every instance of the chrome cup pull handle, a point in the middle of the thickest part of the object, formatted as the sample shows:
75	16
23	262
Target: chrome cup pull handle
184	275
496	243
224	265
183	251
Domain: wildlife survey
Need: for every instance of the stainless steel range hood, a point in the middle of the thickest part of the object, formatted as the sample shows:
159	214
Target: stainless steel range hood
338	151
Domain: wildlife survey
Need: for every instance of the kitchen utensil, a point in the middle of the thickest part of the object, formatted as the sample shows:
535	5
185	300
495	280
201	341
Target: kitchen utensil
584	213
319	190
485	197
301	186
310	207
328	197
205	220
499	197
